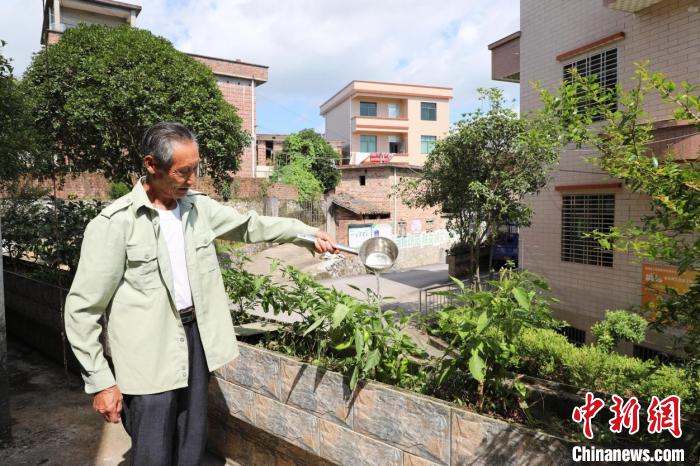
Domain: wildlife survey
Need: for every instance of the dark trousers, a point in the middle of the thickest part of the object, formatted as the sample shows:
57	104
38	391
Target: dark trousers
170	428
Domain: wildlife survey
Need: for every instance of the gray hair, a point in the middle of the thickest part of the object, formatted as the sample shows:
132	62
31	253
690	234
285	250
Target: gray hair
157	141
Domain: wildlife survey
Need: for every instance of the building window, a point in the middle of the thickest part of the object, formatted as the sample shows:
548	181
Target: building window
363	180
393	110
394	144
368	143
574	335
269	147
582	214
427	143
646	354
368	109
428	111
603	66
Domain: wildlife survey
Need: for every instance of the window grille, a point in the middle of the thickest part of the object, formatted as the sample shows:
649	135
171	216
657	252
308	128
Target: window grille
582	214
603	65
576	336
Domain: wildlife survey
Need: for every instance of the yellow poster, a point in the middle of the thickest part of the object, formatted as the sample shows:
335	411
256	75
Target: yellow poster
656	278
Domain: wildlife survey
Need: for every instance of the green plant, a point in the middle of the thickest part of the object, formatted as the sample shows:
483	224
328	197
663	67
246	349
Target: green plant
118	189
247	290
623	142
361	339
547	354
481	171
298	173
308	144
619	326
21	214
481	327
48	231
96	91
333	329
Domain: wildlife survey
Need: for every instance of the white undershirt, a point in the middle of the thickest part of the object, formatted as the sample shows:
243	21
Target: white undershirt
171	229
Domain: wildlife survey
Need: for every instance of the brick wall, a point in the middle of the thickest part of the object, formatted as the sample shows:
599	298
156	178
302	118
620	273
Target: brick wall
669	36
266	408
379	182
95	186
236	80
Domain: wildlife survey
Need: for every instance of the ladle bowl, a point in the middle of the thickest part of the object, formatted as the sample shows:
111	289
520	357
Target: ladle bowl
378	253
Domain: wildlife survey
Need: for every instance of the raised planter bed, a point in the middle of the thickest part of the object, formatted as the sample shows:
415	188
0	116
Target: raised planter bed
266	408
33	309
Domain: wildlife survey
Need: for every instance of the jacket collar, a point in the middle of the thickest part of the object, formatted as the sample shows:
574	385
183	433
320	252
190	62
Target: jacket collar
139	198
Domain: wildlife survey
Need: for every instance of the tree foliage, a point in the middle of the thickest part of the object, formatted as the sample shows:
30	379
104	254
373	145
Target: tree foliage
19	143
480	173
669	233
298	173
307	143
97	90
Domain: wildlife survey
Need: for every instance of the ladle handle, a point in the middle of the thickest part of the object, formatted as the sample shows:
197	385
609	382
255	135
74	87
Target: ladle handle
340	247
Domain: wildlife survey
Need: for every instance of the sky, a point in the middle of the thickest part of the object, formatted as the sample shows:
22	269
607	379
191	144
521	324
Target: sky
315	47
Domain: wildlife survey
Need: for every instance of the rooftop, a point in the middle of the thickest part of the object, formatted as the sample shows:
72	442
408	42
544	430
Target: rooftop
389	89
356	205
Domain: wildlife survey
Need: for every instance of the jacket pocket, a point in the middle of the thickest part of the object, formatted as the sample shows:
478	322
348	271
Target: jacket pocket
206	252
142	267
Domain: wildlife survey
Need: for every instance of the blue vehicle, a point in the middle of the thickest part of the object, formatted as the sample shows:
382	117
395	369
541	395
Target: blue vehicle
506	247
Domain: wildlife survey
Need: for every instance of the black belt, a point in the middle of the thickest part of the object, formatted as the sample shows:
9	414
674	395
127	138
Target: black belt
187	315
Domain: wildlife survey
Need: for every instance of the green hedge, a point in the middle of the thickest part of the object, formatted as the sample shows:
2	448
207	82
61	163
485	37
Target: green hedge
546	354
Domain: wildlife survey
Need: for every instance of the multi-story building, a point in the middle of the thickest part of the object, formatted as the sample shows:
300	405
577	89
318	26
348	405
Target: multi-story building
603	38
236	79
387	131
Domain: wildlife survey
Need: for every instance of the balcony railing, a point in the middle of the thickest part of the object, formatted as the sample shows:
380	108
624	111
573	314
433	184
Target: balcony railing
379	124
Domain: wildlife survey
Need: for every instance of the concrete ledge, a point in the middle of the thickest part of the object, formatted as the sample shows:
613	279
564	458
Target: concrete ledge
267	408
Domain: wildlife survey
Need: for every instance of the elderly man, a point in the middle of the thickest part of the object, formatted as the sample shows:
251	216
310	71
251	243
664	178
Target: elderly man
148	261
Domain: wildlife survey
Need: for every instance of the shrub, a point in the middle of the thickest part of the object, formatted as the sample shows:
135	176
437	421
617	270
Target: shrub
547	354
619	326
48	231
118	189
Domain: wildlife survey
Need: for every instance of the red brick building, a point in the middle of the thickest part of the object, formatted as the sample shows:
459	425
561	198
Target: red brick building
364	204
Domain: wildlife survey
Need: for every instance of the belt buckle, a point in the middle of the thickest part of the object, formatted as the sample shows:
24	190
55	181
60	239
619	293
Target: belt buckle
187	315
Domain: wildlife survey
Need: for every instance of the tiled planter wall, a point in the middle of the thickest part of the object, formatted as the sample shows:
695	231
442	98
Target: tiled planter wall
268	409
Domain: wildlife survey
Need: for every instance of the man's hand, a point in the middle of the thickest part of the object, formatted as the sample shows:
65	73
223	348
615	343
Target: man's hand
108	403
325	243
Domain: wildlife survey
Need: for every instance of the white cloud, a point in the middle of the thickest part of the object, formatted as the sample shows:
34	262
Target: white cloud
315	47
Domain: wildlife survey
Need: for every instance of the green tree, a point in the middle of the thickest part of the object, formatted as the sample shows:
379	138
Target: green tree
669	233
480	173
307	143
97	90
299	174
19	143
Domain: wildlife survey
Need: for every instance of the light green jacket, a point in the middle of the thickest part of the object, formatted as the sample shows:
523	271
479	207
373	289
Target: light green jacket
124	270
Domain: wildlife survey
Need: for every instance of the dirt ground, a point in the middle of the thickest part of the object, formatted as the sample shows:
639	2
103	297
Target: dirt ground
53	423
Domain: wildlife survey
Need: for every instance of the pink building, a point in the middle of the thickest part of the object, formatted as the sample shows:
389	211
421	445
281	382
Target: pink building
605	38
387	131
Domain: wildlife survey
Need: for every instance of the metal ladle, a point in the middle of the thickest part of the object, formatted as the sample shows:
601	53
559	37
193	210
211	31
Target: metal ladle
377	254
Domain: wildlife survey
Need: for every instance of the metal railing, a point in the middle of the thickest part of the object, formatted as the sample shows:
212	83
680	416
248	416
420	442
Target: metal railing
310	212
432	299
